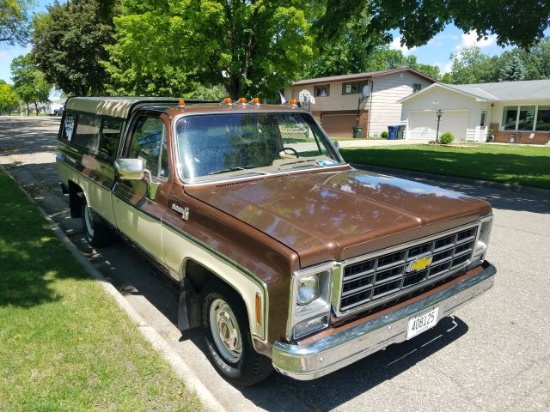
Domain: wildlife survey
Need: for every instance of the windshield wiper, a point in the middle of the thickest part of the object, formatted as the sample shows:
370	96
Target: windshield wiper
233	169
297	162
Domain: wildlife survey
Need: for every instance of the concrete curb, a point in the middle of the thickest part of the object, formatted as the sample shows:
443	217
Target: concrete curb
159	344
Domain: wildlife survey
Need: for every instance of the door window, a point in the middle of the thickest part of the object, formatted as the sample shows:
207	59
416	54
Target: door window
149	144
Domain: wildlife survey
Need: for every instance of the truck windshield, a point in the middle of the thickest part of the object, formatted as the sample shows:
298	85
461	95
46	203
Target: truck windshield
210	146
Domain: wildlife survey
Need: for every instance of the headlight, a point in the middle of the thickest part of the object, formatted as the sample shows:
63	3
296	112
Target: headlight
310	301
308	290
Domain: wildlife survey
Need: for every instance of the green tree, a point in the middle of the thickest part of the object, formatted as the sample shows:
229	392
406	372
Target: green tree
8	98
429	70
514	22
513	71
250	47
69	42
540	59
352	52
29	82
151	53
470	66
446	78
379	58
14	21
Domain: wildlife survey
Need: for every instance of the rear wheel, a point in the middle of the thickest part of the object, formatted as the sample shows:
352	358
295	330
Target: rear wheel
227	335
97	234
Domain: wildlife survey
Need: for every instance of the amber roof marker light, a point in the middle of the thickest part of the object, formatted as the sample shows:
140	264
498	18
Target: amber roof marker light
227	101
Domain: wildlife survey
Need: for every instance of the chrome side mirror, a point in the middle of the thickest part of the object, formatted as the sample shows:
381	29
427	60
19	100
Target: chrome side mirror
134	169
130	169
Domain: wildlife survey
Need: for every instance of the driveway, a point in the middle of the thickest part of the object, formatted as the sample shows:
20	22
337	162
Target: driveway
494	355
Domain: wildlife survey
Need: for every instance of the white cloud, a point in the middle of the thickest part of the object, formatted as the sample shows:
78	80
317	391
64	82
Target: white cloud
470	39
446	68
396	45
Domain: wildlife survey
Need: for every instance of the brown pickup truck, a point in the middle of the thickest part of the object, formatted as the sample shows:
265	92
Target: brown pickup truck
287	257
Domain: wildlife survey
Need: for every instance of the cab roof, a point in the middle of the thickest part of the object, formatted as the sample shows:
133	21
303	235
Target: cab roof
121	107
115	106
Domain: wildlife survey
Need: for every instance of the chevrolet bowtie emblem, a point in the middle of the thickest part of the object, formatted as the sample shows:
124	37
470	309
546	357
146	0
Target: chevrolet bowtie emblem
419	264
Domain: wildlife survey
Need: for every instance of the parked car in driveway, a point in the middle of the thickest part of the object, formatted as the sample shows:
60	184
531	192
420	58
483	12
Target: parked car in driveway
287	258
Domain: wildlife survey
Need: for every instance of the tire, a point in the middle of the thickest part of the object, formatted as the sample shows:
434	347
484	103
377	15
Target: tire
96	233
228	340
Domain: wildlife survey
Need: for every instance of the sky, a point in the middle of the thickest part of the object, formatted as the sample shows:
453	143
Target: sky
437	52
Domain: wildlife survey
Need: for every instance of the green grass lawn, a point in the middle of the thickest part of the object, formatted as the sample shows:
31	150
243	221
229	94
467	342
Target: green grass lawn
65	345
512	164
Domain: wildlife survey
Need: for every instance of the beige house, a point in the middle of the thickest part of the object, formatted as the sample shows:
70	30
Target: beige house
338	104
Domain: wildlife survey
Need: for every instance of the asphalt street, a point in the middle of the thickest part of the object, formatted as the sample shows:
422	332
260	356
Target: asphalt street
493	355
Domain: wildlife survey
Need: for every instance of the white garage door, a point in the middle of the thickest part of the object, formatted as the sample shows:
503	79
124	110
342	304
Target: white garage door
423	125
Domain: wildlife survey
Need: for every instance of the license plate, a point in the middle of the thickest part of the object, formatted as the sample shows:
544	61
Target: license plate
422	322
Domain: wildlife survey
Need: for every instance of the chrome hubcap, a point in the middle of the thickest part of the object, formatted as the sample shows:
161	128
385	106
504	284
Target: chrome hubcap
225	330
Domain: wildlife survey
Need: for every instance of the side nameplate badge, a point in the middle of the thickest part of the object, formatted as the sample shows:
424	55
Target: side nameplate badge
184	211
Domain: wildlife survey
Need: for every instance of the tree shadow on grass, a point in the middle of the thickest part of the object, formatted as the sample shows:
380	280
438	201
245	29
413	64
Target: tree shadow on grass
32	258
507	168
506	197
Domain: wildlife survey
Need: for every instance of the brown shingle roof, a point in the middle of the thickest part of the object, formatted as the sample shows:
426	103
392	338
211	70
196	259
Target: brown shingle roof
358	76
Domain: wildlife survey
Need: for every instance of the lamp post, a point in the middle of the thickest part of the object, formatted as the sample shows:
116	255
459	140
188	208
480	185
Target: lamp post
439	113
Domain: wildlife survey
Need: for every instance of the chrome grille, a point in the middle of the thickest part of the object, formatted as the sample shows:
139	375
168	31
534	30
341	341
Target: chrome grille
377	278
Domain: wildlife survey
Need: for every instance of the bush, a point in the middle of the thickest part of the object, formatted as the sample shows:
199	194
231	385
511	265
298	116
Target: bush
446	138
384	135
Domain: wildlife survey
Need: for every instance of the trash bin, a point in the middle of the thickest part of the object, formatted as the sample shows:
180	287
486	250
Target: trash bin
357	131
401	131
392	132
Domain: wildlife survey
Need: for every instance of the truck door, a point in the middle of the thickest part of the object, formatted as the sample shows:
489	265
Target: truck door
137	213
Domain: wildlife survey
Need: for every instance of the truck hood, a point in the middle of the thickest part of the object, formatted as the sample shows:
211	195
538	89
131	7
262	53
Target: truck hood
336	215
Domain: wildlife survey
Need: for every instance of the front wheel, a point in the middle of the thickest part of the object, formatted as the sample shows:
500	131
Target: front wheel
97	234
228	340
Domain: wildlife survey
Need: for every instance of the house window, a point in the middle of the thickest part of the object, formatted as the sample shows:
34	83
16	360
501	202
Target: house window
417	87
322	90
483	121
526	119
509	118
353	87
543	119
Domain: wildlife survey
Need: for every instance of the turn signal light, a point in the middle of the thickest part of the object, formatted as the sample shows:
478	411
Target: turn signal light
258	309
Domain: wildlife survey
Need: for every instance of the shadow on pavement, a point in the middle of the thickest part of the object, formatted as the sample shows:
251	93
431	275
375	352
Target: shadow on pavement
341	386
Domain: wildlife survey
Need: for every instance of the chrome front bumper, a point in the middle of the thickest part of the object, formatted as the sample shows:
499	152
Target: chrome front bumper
313	360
